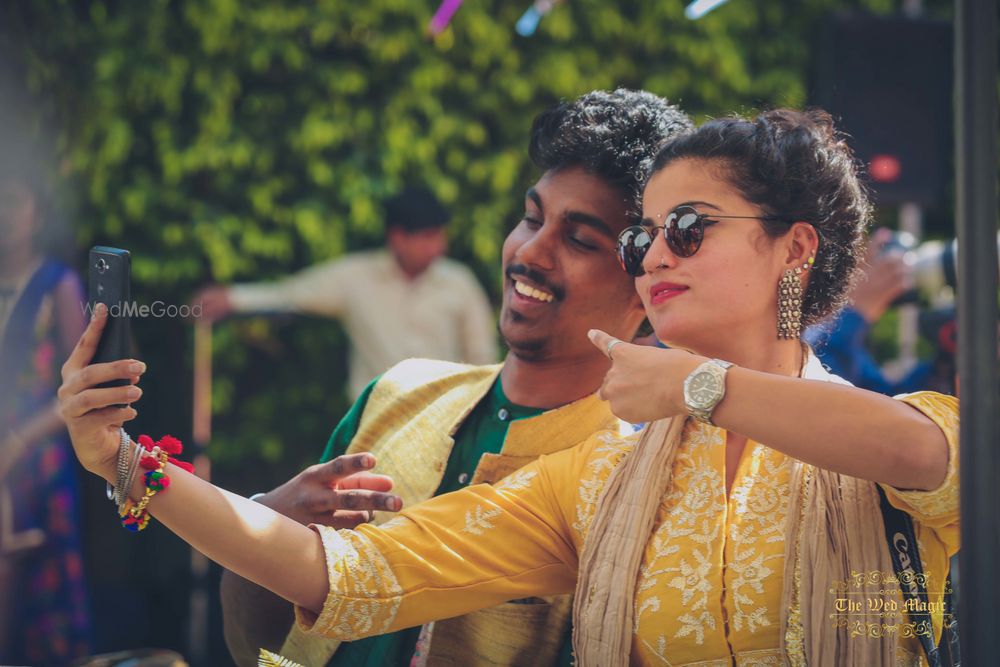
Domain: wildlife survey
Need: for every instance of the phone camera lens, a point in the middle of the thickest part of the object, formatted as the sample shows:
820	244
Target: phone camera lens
102	265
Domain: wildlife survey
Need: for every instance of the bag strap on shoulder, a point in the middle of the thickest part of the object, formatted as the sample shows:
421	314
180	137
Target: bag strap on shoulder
909	570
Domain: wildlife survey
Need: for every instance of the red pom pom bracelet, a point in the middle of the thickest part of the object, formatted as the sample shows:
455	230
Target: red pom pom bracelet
153	459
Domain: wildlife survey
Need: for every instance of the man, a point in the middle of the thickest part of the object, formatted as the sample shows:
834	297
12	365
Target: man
401	302
435	427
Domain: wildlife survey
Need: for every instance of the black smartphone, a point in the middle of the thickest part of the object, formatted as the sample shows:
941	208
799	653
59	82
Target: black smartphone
109	282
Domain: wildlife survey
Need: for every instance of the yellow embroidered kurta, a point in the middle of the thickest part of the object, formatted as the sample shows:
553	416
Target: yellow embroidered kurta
710	582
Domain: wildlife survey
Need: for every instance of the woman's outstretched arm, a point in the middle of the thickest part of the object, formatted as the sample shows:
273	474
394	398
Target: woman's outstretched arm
838	427
245	537
834	426
451	555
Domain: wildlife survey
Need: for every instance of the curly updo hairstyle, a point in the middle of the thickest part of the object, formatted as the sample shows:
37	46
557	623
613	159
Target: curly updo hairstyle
795	166
613	136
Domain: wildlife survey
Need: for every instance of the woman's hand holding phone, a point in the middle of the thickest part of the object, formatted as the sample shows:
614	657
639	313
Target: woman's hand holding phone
94	415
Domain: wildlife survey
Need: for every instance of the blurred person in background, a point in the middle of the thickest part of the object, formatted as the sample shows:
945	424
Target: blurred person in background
842	342
43	604
437	427
406	300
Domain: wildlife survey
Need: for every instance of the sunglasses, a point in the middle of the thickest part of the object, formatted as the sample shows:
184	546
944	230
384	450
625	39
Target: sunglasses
683	230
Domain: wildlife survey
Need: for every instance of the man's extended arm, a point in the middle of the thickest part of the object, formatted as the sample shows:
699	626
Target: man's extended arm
321	289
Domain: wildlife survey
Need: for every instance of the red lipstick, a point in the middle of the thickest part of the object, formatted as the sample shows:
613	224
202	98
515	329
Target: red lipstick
660	292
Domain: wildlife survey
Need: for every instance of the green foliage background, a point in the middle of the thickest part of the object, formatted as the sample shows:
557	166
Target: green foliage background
234	141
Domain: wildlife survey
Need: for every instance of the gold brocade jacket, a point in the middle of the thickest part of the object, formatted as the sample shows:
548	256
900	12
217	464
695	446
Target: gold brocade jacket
710	583
409	424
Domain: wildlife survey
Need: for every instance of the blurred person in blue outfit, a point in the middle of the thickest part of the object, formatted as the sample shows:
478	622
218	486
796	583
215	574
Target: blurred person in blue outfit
44	616
842	342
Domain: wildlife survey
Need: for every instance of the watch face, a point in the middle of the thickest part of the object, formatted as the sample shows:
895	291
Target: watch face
703	390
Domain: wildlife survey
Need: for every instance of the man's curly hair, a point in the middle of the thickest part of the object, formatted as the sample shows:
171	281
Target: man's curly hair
611	135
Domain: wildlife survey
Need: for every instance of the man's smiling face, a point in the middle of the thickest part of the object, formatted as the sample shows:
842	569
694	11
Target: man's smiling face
561	276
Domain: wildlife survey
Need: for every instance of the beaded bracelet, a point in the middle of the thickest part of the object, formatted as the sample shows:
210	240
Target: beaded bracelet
152	457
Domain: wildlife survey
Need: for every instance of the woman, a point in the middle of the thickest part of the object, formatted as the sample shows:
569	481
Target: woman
43	605
692	543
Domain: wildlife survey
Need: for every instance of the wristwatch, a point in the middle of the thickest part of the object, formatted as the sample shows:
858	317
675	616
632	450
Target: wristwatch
704	388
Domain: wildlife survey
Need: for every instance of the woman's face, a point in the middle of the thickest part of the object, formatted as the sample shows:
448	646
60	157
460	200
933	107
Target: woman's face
727	290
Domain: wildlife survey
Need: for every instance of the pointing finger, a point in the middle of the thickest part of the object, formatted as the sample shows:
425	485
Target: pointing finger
604	342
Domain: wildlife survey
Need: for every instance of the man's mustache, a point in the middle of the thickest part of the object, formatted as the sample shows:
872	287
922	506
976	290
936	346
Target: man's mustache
537	278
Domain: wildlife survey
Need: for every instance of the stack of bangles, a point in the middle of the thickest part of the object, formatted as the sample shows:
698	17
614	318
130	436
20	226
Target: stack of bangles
151	457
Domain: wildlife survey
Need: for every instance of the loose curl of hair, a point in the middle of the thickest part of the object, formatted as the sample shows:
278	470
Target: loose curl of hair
795	166
611	135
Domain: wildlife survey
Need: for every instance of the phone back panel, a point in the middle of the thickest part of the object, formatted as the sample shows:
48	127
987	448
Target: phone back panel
109	277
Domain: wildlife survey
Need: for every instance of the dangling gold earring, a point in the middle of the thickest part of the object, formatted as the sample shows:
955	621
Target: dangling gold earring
790	302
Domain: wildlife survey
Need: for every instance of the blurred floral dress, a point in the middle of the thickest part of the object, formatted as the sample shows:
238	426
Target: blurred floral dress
50	603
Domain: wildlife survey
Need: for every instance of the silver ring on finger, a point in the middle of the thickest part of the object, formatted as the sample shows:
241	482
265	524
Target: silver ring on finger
371	515
611	346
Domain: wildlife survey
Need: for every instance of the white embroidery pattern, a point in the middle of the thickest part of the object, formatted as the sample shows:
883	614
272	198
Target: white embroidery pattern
761	658
685	515
613	449
364	593
517	481
761	505
479	523
944	500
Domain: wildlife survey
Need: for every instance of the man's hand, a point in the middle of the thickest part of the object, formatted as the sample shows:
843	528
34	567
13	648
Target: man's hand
884	277
91	415
214	301
339	493
644	383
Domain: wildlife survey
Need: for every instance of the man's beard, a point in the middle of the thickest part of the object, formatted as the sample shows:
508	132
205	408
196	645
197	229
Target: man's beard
535	349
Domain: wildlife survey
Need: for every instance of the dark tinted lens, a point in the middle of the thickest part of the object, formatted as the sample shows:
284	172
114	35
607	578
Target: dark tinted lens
632	246
684	231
